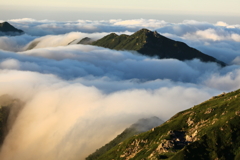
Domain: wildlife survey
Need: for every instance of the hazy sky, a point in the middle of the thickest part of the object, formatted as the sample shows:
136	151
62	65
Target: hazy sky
168	10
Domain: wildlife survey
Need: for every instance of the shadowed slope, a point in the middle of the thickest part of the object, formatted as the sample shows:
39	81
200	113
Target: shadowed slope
9	109
8	29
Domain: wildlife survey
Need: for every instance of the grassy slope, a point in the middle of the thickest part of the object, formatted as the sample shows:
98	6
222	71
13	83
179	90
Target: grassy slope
142	125
213	126
123	42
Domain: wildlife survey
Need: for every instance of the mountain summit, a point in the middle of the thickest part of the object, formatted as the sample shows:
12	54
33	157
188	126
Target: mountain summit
8	29
151	43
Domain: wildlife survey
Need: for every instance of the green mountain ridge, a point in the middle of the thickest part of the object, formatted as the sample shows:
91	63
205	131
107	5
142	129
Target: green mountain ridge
140	126
208	131
151	43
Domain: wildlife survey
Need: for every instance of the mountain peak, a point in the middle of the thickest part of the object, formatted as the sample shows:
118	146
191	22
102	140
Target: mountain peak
151	43
4	24
143	31
148	33
7	29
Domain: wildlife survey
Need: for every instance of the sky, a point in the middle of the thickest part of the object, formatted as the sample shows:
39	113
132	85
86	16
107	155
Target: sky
171	10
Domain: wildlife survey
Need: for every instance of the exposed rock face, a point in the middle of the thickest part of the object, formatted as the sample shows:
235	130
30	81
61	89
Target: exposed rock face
131	152
165	146
8	29
209	130
208	111
153	44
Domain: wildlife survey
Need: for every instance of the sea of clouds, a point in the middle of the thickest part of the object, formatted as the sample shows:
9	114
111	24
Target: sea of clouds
78	97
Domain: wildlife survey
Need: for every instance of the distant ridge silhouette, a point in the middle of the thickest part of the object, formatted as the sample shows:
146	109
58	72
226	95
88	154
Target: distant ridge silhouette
8	29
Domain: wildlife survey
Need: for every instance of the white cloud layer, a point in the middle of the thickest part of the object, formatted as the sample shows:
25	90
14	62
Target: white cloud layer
78	97
219	40
60	119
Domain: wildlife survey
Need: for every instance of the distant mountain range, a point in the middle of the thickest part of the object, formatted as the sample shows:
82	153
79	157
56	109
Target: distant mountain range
208	131
151	43
8	29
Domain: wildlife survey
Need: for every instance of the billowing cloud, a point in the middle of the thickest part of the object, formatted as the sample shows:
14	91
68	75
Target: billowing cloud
71	113
15	43
83	61
64	117
219	40
47	27
63	40
78	97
